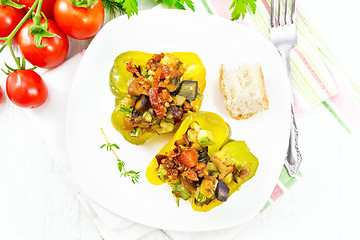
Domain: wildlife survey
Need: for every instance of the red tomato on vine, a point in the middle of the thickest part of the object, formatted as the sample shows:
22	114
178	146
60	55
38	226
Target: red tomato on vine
26	89
47	6
1	94
9	18
54	52
79	22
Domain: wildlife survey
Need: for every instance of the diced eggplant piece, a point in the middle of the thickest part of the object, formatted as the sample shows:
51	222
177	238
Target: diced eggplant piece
188	89
203	156
160	157
143	104
152	113
174	112
169	114
174	84
222	191
136	114
183	141
139	86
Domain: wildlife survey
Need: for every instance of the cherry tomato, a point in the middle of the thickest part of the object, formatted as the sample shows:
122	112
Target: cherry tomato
78	22
26	88
9	18
1	94
47	6
189	157
52	55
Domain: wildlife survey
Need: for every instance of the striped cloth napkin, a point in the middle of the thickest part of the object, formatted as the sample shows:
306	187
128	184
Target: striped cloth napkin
323	95
327	107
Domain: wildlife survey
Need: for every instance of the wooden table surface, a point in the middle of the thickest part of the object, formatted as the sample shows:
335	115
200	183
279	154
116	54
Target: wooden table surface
38	203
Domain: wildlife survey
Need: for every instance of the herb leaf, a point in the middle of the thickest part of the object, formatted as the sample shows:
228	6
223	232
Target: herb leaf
113	7
121	164
240	8
130	6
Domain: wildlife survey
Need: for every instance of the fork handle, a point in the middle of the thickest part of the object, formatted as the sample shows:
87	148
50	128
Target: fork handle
293	157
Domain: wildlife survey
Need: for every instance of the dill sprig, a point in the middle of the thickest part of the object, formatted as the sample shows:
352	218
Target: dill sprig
121	164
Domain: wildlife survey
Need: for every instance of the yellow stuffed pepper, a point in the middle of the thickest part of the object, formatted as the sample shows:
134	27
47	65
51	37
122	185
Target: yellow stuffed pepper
201	164
154	92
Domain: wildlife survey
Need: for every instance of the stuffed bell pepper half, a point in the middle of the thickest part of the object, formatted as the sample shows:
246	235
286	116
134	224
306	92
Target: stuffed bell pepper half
154	92
201	163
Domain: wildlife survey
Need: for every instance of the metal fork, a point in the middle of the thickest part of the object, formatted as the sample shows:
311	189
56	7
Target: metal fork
283	36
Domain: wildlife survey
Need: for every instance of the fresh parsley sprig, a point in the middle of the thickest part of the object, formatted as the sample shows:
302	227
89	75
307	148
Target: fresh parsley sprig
241	7
121	164
130	7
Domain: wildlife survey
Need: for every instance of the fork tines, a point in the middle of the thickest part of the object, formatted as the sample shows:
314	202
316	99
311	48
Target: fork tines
276	21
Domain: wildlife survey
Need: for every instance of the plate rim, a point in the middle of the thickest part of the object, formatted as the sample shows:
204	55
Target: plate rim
71	96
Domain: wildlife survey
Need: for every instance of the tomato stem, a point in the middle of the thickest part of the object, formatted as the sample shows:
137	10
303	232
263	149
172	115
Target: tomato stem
15	58
37	16
9	38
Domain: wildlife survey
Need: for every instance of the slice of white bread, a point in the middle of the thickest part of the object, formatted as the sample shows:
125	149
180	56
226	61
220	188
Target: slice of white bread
244	90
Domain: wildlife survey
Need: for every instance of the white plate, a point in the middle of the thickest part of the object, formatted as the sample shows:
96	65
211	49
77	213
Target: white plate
216	41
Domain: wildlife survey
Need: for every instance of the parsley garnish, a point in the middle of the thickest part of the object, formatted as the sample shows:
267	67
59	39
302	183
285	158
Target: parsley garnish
130	7
121	164
240	8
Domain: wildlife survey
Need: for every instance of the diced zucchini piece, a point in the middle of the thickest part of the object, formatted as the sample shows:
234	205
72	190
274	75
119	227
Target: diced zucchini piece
196	126
135	132
182	192
169	120
196	146
211	167
161	173
200	95
127	111
169	60
205	138
199	197
179	100
156	121
228	178
176	181
143	71
189	89
192	135
147	116
166	127
128	102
